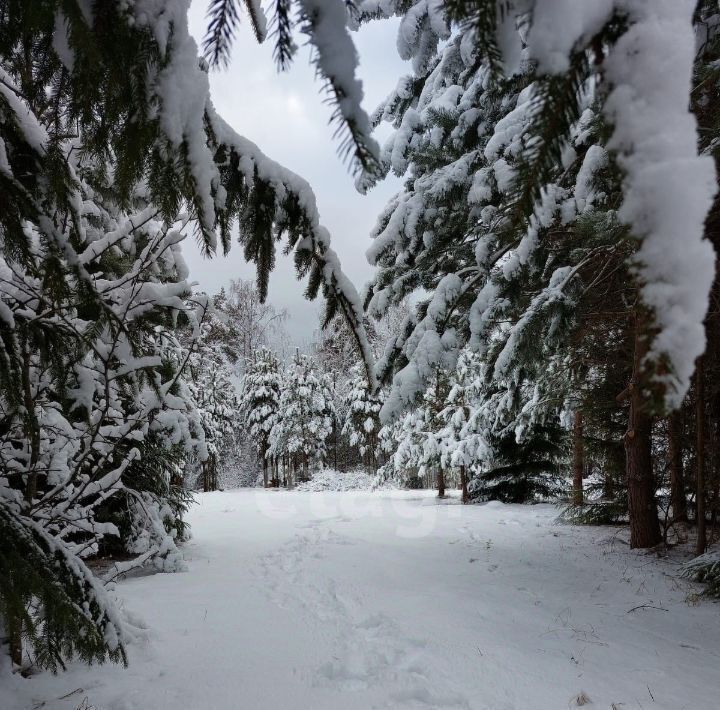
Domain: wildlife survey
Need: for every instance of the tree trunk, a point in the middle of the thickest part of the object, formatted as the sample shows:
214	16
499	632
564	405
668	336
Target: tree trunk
700	424
441	482
644	522
463	485
675	462
578	459
32	426
265	471
14	630
335	441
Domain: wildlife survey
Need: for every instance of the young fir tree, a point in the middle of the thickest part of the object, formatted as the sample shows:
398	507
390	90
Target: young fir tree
402	442
211	374
304	422
93	391
362	420
524	470
260	405
415	439
336	357
462	447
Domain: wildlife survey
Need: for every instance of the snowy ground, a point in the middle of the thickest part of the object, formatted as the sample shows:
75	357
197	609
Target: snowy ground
312	601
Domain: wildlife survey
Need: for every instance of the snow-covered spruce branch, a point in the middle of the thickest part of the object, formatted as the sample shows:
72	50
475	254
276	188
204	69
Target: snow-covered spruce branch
324	23
295	212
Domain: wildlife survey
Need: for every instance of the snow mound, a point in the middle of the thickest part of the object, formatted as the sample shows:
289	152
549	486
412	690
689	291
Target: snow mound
330	480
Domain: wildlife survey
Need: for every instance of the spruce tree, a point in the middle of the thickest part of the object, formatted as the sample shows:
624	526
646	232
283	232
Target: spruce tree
624	42
110	149
513	153
260	405
304	422
362	420
462	447
211	375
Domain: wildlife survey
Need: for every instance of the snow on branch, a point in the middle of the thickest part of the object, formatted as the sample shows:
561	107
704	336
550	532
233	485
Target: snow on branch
295	212
668	187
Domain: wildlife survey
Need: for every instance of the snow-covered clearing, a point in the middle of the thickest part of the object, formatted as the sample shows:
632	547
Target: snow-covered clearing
323	601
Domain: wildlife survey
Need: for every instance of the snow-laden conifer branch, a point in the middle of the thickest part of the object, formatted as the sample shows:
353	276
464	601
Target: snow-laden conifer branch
519	170
296	215
223	18
324	23
78	616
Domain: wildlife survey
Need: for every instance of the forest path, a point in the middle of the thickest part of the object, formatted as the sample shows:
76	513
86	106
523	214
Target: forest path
315	601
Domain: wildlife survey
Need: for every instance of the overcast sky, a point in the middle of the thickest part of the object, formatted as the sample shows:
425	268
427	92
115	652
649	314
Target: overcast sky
284	114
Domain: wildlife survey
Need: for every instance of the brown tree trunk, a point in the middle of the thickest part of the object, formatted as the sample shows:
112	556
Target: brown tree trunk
463	485
265	471
441	482
675	462
700	424
644	522
578	459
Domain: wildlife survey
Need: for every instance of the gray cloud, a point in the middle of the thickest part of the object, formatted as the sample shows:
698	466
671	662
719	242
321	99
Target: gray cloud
285	115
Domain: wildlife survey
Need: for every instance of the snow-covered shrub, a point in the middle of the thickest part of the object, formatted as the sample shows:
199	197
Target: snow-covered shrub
330	480
706	569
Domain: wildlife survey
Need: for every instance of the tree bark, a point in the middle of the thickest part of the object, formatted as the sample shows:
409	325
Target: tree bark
335	436
463	485
675	462
578	459
644	522
441	482
700	423
14	630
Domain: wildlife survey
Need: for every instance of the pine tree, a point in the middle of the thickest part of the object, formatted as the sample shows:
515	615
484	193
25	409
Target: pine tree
705	98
